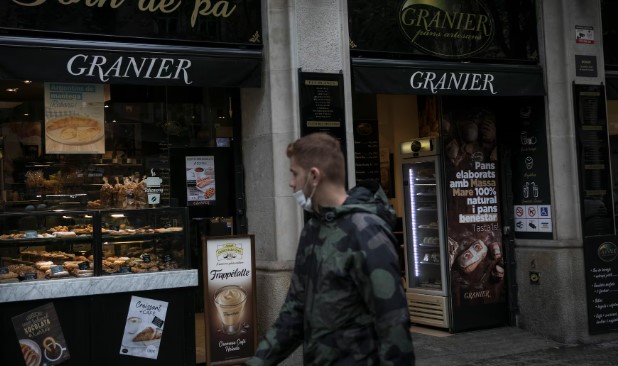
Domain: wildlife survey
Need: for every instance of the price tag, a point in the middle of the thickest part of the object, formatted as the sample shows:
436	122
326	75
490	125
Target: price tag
167	258
146	258
4	270
56	269
29	276
125	269
83	265
158	322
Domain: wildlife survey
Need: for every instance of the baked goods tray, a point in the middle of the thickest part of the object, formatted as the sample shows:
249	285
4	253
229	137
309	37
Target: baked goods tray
137	237
42	241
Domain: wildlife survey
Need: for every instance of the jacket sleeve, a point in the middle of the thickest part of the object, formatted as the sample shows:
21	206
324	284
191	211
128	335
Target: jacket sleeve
286	334
378	277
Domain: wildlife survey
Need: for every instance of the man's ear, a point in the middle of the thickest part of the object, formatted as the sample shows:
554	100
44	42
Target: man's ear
315	175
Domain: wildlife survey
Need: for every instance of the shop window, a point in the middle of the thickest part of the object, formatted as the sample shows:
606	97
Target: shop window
120	137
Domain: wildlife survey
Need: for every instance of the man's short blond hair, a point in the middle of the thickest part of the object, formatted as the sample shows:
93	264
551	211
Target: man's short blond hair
322	151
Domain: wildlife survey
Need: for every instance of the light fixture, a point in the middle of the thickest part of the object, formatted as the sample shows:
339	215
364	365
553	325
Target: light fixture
12	90
27	81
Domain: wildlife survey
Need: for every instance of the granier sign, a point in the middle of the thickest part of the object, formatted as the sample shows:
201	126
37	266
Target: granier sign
443	28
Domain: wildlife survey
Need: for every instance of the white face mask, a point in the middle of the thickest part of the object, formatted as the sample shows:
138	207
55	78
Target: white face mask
301	199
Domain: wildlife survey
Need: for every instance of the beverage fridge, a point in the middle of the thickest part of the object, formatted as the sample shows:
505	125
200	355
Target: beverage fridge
453	243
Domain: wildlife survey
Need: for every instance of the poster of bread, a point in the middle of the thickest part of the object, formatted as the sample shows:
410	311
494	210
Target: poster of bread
40	337
229	299
144	328
74	118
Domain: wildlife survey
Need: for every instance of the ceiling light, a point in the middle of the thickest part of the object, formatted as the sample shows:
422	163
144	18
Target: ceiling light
27	81
12	90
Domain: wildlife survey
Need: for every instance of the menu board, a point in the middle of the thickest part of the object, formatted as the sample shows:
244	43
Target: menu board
530	171
594	160
322	107
229	299
144	328
40	336
473	214
366	150
74	118
601	255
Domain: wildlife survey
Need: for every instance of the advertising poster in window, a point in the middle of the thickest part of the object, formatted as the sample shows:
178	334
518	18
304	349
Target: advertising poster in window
473	209
144	328
200	180
40	336
229	299
74	118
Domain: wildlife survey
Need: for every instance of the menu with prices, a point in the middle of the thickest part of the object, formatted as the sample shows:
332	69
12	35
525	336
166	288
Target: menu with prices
366	150
594	160
40	337
144	328
229	298
601	255
322	105
200	180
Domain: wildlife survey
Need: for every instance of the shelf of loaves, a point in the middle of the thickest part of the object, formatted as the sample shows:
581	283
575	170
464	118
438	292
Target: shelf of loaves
72	237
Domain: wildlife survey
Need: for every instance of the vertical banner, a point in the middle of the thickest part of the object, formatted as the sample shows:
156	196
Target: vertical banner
473	211
144	328
74	118
40	336
200	180
229	299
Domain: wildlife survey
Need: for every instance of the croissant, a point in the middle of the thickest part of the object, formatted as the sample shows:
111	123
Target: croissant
148	334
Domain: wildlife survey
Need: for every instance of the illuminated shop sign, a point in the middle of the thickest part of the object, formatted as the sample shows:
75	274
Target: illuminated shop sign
447	28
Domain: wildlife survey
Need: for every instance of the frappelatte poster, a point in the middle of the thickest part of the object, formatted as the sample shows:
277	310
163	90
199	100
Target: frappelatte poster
144	328
229	275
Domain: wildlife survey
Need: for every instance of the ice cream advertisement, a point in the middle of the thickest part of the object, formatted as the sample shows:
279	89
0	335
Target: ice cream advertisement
40	337
144	328
229	299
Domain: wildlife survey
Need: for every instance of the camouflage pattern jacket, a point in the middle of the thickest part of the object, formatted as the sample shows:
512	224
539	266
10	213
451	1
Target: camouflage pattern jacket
346	304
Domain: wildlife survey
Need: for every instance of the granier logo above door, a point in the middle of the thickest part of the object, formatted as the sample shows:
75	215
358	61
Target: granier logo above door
447	28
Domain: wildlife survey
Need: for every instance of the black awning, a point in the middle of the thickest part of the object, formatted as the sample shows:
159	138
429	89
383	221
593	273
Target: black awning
380	76
611	80
122	63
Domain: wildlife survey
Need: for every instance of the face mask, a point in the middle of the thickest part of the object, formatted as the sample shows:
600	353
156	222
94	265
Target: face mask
301	199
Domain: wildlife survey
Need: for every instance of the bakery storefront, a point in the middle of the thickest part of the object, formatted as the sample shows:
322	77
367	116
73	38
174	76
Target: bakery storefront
119	153
449	115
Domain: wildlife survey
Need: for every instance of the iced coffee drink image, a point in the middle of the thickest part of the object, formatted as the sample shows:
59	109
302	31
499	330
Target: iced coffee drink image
230	303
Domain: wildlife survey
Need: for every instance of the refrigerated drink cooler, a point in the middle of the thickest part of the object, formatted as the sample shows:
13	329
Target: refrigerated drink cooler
453	243
424	233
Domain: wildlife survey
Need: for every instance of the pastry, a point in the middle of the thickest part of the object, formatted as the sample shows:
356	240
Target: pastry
71	122
31	357
472	257
148	334
203	182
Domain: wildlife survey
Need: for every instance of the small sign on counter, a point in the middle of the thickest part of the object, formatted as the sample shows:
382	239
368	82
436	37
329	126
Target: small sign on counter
40	336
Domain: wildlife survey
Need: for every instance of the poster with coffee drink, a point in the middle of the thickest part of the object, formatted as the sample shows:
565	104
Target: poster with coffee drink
200	180
144	328
475	248
40	337
229	299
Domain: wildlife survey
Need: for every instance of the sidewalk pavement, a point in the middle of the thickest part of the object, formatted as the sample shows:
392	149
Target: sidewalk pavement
506	346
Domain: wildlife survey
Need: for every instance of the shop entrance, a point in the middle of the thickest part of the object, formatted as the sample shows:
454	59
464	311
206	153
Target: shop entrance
501	134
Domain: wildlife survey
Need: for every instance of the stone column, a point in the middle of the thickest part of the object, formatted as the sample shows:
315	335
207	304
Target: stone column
556	307
306	34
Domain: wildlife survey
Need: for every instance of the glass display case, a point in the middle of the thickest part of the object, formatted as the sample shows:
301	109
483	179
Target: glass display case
41	245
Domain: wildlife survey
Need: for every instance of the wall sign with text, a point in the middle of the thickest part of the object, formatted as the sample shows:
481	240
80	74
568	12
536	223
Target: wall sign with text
601	263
